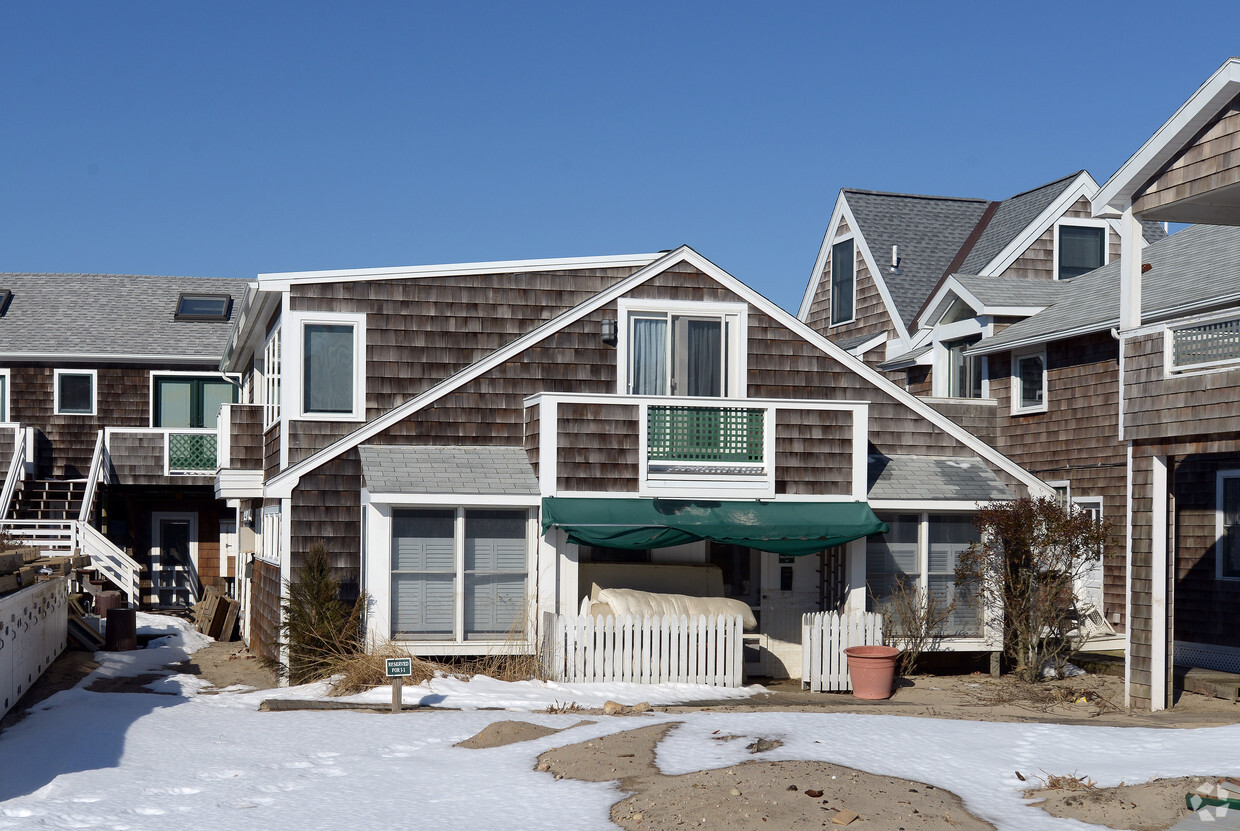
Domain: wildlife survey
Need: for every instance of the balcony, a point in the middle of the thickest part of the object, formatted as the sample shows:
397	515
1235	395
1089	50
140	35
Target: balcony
697	447
240	451
154	455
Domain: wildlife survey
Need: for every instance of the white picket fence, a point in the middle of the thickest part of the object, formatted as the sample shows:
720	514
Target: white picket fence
824	637
33	627
644	650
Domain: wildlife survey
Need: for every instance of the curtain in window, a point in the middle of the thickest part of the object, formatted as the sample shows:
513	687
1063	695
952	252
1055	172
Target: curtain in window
327	383
705	358
949	537
423	572
495	555
649	356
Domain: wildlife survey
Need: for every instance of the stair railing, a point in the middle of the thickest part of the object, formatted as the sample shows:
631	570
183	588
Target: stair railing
92	479
16	471
111	561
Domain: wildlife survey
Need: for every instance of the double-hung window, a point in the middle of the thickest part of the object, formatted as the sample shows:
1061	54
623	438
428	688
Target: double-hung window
75	391
1227	530
843	282
459	573
1079	248
329	377
1029	383
691	350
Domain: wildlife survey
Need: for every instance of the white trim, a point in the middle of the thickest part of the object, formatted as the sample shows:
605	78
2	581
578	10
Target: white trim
156	518
109	358
7	399
281	281
850	238
737	345
844	211
94	391
953	285
1169	139
1207	656
1219	530
1066	485
1017	407
1158	583
456	500
1128	502
1169	330
865	346
291	385
284	482
1082	186
238	484
1070	222
920	506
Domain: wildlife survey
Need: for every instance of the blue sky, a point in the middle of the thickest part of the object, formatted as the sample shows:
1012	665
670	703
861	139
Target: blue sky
228	139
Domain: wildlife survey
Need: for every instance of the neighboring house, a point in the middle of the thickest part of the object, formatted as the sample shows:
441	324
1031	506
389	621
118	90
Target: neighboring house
960	272
478	444
109	390
1179	327
884	255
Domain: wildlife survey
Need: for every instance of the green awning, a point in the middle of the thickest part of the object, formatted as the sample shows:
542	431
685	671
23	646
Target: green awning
782	527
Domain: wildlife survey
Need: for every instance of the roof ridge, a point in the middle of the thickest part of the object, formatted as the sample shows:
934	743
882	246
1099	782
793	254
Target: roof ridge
4	274
914	195
1046	185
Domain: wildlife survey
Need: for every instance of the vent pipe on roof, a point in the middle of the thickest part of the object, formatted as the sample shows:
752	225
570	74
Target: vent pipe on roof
895	260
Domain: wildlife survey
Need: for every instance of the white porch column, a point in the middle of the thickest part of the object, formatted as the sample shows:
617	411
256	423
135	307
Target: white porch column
1129	271
1158	580
854	559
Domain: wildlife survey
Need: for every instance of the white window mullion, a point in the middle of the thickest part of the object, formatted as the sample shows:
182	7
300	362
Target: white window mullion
458	582
923	551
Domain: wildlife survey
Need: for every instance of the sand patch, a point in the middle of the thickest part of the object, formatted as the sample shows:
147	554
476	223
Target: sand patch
752	795
1153	806
500	733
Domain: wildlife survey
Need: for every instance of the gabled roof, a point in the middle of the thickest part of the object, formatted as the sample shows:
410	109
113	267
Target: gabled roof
1190	271
1161	148
283	483
929	231
1012	217
110	317
994	296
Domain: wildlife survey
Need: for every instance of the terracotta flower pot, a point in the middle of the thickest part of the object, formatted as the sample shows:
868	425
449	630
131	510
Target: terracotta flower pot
872	670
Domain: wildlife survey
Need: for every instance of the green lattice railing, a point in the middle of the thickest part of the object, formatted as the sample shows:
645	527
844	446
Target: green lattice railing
704	434
191	452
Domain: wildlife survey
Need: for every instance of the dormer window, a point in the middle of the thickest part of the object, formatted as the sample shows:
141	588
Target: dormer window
1079	248
843	282
685	350
203	306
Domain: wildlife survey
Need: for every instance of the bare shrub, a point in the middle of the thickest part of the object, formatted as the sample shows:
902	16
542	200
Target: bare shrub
1024	572
914	620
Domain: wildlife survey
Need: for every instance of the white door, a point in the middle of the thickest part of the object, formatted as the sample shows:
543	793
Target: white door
228	546
791	586
174	558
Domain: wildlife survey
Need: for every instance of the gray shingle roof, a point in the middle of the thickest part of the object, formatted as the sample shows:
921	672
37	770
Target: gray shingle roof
929	230
110	314
1012	291
1011	217
849	343
905	360
437	469
1193	270
929	477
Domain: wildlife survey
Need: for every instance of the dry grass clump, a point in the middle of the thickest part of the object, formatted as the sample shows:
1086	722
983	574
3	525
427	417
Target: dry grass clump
1040	697
360	671
1069	782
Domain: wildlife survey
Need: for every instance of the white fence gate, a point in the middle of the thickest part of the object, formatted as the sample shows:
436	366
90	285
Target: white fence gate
644	650
824	637
34	624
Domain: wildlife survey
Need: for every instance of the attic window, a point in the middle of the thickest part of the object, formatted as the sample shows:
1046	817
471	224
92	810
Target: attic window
203	307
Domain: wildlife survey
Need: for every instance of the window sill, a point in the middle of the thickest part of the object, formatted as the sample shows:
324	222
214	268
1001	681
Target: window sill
1029	411
479	647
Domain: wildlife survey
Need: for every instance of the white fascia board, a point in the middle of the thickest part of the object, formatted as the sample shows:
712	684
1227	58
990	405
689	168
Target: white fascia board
1082	185
463	500
282	281
1169	139
920	505
820	262
240	322
110	358
842	210
865	346
985	348
250	332
283	484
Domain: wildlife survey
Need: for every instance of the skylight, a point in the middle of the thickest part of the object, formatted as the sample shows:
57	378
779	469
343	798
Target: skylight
203	307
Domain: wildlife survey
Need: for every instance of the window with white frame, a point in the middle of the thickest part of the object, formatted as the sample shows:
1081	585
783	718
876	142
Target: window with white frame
75	391
689	350
843	281
331	366
271	379
918	554
1029	383
1227	525
4	395
1080	247
459	574
964	372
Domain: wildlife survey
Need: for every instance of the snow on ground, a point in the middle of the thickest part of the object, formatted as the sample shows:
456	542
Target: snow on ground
150	761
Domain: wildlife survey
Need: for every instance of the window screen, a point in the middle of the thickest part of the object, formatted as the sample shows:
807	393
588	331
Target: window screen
327	380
